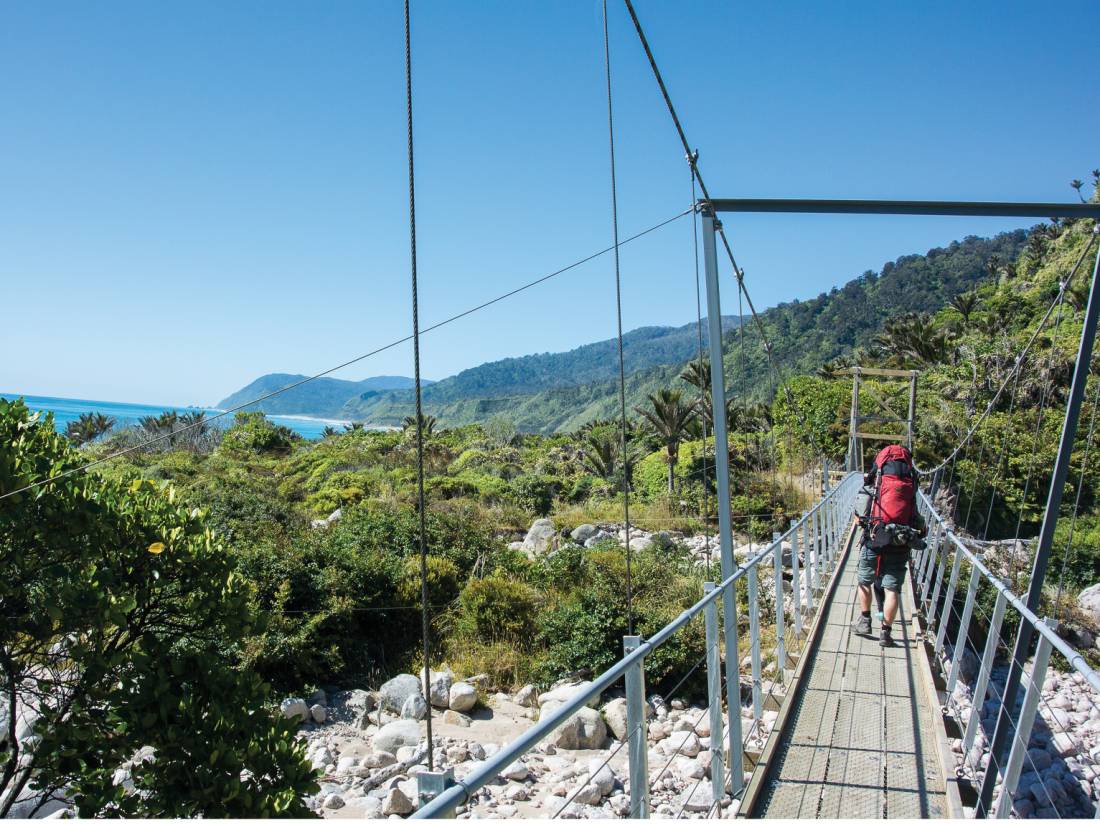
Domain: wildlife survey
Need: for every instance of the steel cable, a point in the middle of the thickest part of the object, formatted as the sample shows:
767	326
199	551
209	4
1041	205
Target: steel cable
619	321
1019	359
425	619
261	398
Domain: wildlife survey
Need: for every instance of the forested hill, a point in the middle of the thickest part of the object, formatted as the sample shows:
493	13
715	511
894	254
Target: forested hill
835	326
806	335
644	349
323	398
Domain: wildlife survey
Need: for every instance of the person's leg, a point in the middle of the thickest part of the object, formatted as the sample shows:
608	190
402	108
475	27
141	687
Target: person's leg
865	575
890	608
880	599
893	576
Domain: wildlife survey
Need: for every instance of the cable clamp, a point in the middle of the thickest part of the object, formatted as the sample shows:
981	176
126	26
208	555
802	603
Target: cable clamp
692	158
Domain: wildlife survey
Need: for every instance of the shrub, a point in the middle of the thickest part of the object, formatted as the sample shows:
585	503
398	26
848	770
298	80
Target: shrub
534	493
496	609
253	433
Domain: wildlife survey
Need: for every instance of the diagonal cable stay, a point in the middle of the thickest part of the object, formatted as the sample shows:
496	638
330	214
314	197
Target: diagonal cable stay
458	316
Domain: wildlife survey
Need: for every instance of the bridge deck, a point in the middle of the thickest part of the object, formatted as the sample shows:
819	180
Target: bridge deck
859	742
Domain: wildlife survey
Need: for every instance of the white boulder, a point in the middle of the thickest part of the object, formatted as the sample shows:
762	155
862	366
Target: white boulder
462	697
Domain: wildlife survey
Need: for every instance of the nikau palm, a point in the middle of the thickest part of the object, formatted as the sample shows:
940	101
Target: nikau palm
669	418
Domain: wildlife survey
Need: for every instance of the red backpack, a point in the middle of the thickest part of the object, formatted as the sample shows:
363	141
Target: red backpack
895	500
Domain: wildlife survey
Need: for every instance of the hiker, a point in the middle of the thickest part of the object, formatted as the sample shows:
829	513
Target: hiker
887	511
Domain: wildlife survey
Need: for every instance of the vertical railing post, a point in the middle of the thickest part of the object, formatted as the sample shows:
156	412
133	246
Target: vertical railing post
822	570
796	583
1041	559
637	730
984	672
754	639
722	479
929	565
780	630
949	598
964	629
714	695
1023	728
809	561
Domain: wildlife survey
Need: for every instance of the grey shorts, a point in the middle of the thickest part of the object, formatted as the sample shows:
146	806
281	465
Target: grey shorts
887	568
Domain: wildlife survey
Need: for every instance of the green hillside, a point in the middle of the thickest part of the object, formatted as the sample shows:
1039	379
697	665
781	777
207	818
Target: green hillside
805	334
322	398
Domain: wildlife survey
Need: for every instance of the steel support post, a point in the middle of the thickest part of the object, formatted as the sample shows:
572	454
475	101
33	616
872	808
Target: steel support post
964	629
430	784
637	729
780	623
796	583
1046	532
1023	729
984	672
754	639
949	598
722	478
714	696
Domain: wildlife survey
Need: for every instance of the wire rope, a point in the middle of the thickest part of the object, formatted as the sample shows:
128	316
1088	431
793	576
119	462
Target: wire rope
378	350
1019	359
619	321
425	618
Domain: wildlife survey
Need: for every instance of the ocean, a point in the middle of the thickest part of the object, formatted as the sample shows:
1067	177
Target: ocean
69	409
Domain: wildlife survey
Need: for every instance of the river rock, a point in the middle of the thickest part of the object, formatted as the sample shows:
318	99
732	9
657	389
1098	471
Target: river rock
399	734
319	713
583	533
453	717
683	742
601	775
527	696
563	693
333	802
295	708
462	697
542	538
396	802
414	708
517	771
439	688
392	694
1088	600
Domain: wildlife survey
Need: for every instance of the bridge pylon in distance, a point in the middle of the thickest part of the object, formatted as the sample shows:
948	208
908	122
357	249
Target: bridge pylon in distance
857	435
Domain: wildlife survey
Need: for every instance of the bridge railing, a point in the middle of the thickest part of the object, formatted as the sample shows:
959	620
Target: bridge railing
815	543
1047	748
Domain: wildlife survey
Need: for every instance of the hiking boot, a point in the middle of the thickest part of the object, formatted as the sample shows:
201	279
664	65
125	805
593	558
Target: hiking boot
862	626
885	639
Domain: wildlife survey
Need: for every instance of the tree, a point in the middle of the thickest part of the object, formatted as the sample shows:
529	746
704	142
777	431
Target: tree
965	303
427	423
697	373
122	612
329	432
915	339
88	428
668	417
1076	184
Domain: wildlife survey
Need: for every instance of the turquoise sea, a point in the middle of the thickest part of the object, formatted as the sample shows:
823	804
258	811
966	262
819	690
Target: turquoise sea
69	409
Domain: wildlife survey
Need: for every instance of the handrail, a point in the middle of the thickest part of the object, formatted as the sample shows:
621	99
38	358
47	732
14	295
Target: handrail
1075	659
464	789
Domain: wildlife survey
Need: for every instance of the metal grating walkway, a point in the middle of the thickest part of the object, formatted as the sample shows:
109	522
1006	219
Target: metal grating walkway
859	742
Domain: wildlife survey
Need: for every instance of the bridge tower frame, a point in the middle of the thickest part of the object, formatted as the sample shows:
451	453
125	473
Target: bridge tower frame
856	436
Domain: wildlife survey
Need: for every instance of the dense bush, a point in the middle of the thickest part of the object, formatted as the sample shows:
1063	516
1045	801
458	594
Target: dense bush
124	605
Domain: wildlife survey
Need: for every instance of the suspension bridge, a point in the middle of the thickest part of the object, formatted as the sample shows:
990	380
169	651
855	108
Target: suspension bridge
859	731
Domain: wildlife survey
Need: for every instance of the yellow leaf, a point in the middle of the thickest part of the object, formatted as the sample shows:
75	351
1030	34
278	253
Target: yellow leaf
156	548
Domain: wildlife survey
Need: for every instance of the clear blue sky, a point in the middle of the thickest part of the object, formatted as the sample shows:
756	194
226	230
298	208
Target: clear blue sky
193	194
